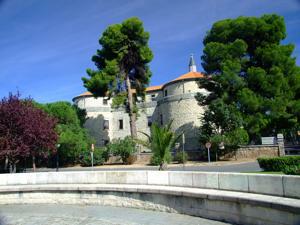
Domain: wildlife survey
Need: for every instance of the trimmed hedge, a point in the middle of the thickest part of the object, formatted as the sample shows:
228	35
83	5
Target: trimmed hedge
278	163
100	157
292	170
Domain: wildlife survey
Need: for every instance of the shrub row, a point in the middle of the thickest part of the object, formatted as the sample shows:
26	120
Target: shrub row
292	170
123	148
179	157
101	155
286	164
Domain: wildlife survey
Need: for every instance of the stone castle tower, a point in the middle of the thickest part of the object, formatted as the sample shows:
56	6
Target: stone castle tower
174	100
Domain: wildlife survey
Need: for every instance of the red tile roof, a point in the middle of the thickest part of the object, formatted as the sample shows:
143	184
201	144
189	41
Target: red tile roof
87	93
154	88
190	75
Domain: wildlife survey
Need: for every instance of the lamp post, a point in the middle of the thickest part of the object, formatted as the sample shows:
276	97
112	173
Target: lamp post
221	147
92	155
57	158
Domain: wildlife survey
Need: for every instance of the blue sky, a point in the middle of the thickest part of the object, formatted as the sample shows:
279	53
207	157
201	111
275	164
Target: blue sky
46	46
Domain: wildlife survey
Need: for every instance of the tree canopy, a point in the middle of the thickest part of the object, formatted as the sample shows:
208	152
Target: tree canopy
73	138
25	130
122	64
252	77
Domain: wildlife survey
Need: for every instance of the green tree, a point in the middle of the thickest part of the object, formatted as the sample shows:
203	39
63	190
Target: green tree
125	148
100	156
122	64
160	141
24	131
252	78
73	138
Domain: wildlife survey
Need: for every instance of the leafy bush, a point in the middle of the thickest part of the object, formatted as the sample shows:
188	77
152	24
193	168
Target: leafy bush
124	148
161	140
181	157
74	139
231	140
292	170
278	163
237	137
100	157
156	159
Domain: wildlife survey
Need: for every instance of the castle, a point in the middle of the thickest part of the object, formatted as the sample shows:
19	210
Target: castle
174	100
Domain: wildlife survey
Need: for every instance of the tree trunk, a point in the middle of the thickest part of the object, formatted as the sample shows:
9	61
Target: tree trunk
6	163
33	163
132	114
12	167
162	166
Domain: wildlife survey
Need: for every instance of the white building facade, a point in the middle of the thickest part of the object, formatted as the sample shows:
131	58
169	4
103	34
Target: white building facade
174	101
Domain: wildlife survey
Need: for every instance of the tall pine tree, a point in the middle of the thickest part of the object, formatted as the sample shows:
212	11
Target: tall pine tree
123	65
252	77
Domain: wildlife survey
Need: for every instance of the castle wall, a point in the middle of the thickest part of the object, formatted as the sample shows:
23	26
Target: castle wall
157	94
179	105
180	87
116	132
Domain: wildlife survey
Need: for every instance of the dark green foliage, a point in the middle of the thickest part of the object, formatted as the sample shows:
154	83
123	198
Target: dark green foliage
292	170
100	157
231	140
123	147
123	65
252	78
279	163
124	51
73	138
236	137
156	159
181	157
119	100
161	141
81	114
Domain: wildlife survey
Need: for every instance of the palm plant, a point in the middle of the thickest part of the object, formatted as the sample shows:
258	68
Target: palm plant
160	141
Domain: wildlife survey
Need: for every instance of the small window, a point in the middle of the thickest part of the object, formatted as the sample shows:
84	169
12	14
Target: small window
166	93
104	101
106	125
121	124
149	119
161	119
152	97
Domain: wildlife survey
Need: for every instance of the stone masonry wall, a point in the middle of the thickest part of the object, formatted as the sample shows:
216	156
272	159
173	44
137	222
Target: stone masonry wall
253	152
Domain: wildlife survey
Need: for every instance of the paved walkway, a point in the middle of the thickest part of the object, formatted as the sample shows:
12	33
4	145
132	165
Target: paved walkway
92	215
229	166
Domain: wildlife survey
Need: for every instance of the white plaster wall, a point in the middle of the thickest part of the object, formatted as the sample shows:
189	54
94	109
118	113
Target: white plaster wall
148	97
247	200
89	101
115	132
184	112
181	87
94	124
